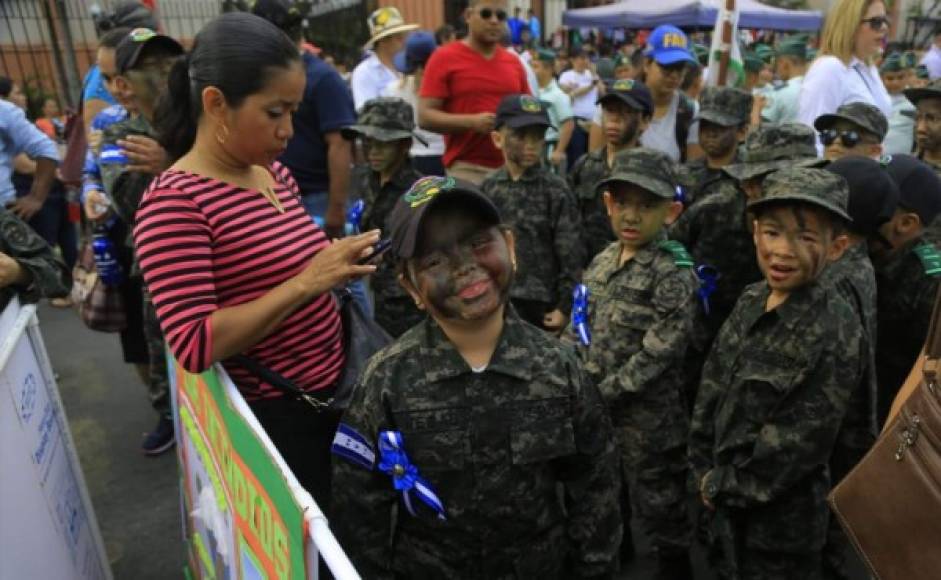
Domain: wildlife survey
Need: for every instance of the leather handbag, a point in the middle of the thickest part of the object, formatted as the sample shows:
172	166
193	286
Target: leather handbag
362	338
101	307
890	503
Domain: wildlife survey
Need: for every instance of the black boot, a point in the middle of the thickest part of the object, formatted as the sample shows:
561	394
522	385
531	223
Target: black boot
673	565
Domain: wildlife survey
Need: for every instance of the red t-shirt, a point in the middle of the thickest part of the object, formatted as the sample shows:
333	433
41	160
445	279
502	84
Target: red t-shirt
470	83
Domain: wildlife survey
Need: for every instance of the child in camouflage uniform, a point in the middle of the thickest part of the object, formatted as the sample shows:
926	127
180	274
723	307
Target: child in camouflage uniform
627	108
540	209
927	101
642	308
854	129
908	269
491	413
28	266
387	126
776	387
723	117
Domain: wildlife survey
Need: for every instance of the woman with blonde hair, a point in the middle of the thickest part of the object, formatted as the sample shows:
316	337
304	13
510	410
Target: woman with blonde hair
844	71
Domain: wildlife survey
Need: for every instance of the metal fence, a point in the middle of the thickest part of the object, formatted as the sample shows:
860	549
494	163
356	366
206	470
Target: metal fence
48	45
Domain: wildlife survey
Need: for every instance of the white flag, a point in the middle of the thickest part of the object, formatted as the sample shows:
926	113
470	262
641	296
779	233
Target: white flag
735	76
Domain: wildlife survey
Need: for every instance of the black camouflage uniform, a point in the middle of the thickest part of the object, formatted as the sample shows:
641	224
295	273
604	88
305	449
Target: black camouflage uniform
774	394
727	107
387	119
907	281
641	314
493	444
49	276
541	210
592	167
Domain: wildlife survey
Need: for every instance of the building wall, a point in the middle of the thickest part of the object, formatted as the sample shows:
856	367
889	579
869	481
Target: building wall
427	13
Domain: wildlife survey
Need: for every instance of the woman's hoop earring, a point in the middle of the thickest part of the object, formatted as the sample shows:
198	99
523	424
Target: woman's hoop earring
224	136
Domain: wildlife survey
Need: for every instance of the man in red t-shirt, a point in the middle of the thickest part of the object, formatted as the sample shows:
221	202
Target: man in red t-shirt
462	86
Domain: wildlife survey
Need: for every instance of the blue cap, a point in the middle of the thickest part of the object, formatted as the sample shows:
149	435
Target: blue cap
668	45
418	48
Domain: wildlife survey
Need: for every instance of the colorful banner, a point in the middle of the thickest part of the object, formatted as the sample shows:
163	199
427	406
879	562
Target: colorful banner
241	519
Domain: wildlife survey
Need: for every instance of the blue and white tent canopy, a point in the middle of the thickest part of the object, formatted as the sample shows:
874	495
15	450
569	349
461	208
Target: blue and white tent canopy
698	13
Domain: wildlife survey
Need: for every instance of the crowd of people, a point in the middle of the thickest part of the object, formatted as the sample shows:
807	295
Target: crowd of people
613	293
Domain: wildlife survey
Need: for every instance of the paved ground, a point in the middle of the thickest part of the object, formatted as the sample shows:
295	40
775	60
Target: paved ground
136	498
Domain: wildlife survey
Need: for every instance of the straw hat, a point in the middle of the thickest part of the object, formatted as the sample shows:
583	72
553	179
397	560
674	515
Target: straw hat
386	22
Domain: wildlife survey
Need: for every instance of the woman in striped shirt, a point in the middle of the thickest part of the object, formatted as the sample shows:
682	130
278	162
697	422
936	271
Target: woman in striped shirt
233	262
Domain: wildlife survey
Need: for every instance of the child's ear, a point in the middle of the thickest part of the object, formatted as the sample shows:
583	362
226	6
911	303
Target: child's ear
406	283
497	138
676	208
909	224
837	247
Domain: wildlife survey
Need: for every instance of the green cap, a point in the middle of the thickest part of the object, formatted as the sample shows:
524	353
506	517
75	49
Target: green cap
817	187
545	55
775	146
753	62
931	90
621	59
765	53
892	63
909	60
384	119
793	47
921	72
649	169
701	52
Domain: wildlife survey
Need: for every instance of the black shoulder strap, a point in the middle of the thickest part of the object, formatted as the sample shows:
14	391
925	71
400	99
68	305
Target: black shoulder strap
684	118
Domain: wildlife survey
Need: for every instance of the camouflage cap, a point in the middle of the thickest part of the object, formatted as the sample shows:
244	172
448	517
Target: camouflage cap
793	47
865	116
775	146
931	90
405	219
817	187
892	63
384	119
921	72
752	62
725	106
649	169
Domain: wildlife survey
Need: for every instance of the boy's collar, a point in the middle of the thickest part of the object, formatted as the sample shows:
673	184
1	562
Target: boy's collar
792	310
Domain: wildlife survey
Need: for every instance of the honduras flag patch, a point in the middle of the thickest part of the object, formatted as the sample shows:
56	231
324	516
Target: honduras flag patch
112	155
349	444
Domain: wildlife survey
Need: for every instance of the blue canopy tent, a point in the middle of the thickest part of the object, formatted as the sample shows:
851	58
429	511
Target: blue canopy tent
689	13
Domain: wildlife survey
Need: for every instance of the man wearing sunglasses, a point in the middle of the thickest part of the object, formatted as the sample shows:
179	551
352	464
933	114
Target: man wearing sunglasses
463	84
855	129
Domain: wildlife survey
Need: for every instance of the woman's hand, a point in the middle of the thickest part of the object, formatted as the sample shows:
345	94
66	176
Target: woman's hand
337	263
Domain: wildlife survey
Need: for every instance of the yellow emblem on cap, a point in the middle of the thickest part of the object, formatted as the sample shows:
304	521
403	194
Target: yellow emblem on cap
426	188
530	105
623	85
383	16
142	34
673	40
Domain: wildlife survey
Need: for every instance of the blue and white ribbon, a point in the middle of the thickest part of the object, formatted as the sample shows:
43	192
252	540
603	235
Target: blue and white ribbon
355	214
580	314
394	461
707	284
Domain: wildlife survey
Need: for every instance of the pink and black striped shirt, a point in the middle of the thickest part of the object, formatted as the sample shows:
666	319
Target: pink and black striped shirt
204	245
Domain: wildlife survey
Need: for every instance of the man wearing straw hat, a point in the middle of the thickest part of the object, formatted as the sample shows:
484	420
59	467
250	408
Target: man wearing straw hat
387	31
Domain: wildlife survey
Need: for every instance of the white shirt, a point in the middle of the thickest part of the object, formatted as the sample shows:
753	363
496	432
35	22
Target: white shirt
932	60
530	75
583	106
368	80
829	83
901	135
406	90
661	133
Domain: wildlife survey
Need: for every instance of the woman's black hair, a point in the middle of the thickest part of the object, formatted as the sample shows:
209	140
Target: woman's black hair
234	53
6	87
113	37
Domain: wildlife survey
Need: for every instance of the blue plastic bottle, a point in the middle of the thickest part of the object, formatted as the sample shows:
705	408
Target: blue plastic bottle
106	260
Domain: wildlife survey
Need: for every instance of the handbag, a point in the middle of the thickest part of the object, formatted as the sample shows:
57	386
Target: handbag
101	307
890	503
362	338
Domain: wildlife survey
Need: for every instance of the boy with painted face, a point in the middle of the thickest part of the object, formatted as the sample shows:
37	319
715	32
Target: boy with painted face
540	209
387	126
895	73
491	412
642	308
927	101
776	387
627	107
908	271
723	124
855	129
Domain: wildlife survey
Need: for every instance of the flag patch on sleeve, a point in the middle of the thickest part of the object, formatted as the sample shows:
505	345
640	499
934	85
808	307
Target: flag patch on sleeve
349	444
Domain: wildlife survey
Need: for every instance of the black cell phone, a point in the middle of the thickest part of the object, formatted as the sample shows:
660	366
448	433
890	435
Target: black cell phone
378	249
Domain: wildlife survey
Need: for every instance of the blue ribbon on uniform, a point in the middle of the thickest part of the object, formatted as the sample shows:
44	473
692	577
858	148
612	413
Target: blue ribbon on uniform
707	284
394	461
580	314
355	214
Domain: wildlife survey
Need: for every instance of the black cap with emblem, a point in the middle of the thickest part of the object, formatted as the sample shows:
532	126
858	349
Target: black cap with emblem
516	111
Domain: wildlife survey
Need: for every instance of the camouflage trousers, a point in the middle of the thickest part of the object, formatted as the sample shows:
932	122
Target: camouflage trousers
658	490
158	387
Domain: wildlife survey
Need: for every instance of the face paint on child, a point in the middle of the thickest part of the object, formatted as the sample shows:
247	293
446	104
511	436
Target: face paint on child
716	140
793	245
383	156
523	146
464	268
637	215
621	123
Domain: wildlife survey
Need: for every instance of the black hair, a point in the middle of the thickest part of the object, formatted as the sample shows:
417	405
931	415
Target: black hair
129	14
444	33
113	37
6	87
693	73
234	53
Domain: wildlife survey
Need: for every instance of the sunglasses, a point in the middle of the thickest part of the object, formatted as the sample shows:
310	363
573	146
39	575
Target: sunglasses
877	23
488	13
849	139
